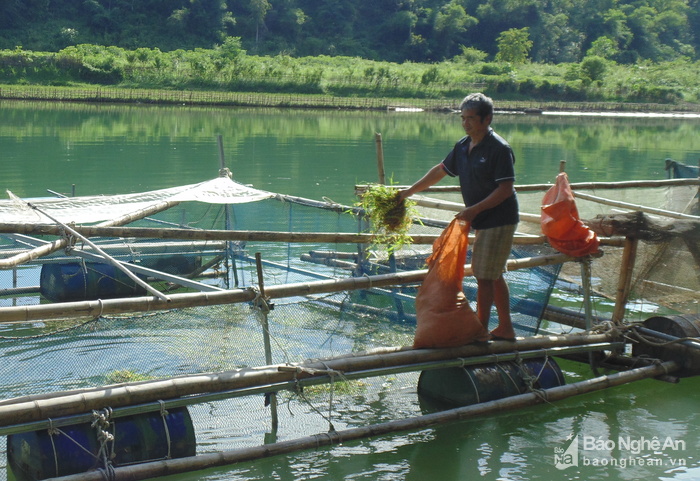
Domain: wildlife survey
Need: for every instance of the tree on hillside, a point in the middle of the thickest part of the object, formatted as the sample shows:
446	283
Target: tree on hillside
208	19
563	43
603	47
259	9
451	22
396	30
514	45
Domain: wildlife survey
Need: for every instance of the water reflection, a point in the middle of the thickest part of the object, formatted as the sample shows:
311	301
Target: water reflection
117	148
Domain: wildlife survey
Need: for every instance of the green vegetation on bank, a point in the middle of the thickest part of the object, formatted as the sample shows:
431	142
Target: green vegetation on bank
424	31
229	68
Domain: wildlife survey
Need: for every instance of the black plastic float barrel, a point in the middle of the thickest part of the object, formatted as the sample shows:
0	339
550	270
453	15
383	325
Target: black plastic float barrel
463	386
75	449
677	327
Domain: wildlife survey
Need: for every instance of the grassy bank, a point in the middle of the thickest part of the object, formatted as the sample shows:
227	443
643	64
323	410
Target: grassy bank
99	94
226	75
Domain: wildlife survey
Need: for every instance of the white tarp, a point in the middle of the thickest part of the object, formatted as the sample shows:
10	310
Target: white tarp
89	209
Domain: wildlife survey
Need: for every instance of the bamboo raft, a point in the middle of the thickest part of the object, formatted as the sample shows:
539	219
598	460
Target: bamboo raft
605	340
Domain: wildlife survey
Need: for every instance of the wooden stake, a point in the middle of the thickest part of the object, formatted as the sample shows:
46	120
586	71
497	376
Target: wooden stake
266	337
380	158
629	255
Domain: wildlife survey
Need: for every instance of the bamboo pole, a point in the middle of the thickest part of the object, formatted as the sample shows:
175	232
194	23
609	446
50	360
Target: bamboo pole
317	377
225	235
226	458
334	255
63	242
31	409
636	207
630	184
135	304
458	207
145	248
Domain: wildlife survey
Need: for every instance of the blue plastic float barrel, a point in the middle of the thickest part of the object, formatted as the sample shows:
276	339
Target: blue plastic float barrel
76	449
85	281
80	281
463	386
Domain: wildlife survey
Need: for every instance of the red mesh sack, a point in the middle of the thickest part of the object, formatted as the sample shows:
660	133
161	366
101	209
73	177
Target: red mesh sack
443	315
561	223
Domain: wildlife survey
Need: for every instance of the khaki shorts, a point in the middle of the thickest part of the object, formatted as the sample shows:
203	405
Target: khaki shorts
491	250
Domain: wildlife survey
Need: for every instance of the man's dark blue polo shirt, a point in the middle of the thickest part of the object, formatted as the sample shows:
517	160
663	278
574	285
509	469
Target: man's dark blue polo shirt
489	163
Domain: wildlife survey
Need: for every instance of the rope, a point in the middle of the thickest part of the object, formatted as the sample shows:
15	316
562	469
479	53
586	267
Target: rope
101	422
531	381
332	373
163	415
330	201
476	390
52	431
635	335
108	473
298	389
260	302
55	431
71	240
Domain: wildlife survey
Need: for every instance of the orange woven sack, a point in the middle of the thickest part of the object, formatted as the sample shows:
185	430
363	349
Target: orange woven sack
443	315
561	223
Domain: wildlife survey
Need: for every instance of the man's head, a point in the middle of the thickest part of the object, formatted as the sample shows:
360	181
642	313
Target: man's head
480	104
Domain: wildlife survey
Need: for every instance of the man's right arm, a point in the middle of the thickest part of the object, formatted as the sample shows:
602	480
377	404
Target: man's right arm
432	177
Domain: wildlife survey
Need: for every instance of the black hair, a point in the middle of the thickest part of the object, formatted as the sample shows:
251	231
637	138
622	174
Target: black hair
479	102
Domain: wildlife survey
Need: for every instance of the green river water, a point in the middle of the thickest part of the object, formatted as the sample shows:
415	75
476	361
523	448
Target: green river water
106	149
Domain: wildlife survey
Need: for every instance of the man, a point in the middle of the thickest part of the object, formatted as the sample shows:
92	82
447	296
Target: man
483	161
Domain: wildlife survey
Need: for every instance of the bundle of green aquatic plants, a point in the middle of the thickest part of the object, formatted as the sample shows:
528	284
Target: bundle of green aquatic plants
390	217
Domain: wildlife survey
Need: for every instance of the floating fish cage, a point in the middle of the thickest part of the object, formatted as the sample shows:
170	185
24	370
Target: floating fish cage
279	334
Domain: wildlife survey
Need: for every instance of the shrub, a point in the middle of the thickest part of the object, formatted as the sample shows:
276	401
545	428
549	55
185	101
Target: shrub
498	68
593	68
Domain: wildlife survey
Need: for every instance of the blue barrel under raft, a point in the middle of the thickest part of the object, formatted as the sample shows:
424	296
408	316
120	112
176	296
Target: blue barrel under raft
75	449
80	281
84	281
463	386
678	328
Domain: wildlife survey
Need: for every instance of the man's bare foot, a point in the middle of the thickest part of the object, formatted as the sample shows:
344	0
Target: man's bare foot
503	335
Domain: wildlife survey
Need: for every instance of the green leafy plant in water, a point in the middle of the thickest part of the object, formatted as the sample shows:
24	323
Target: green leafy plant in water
345	387
390	217
125	375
